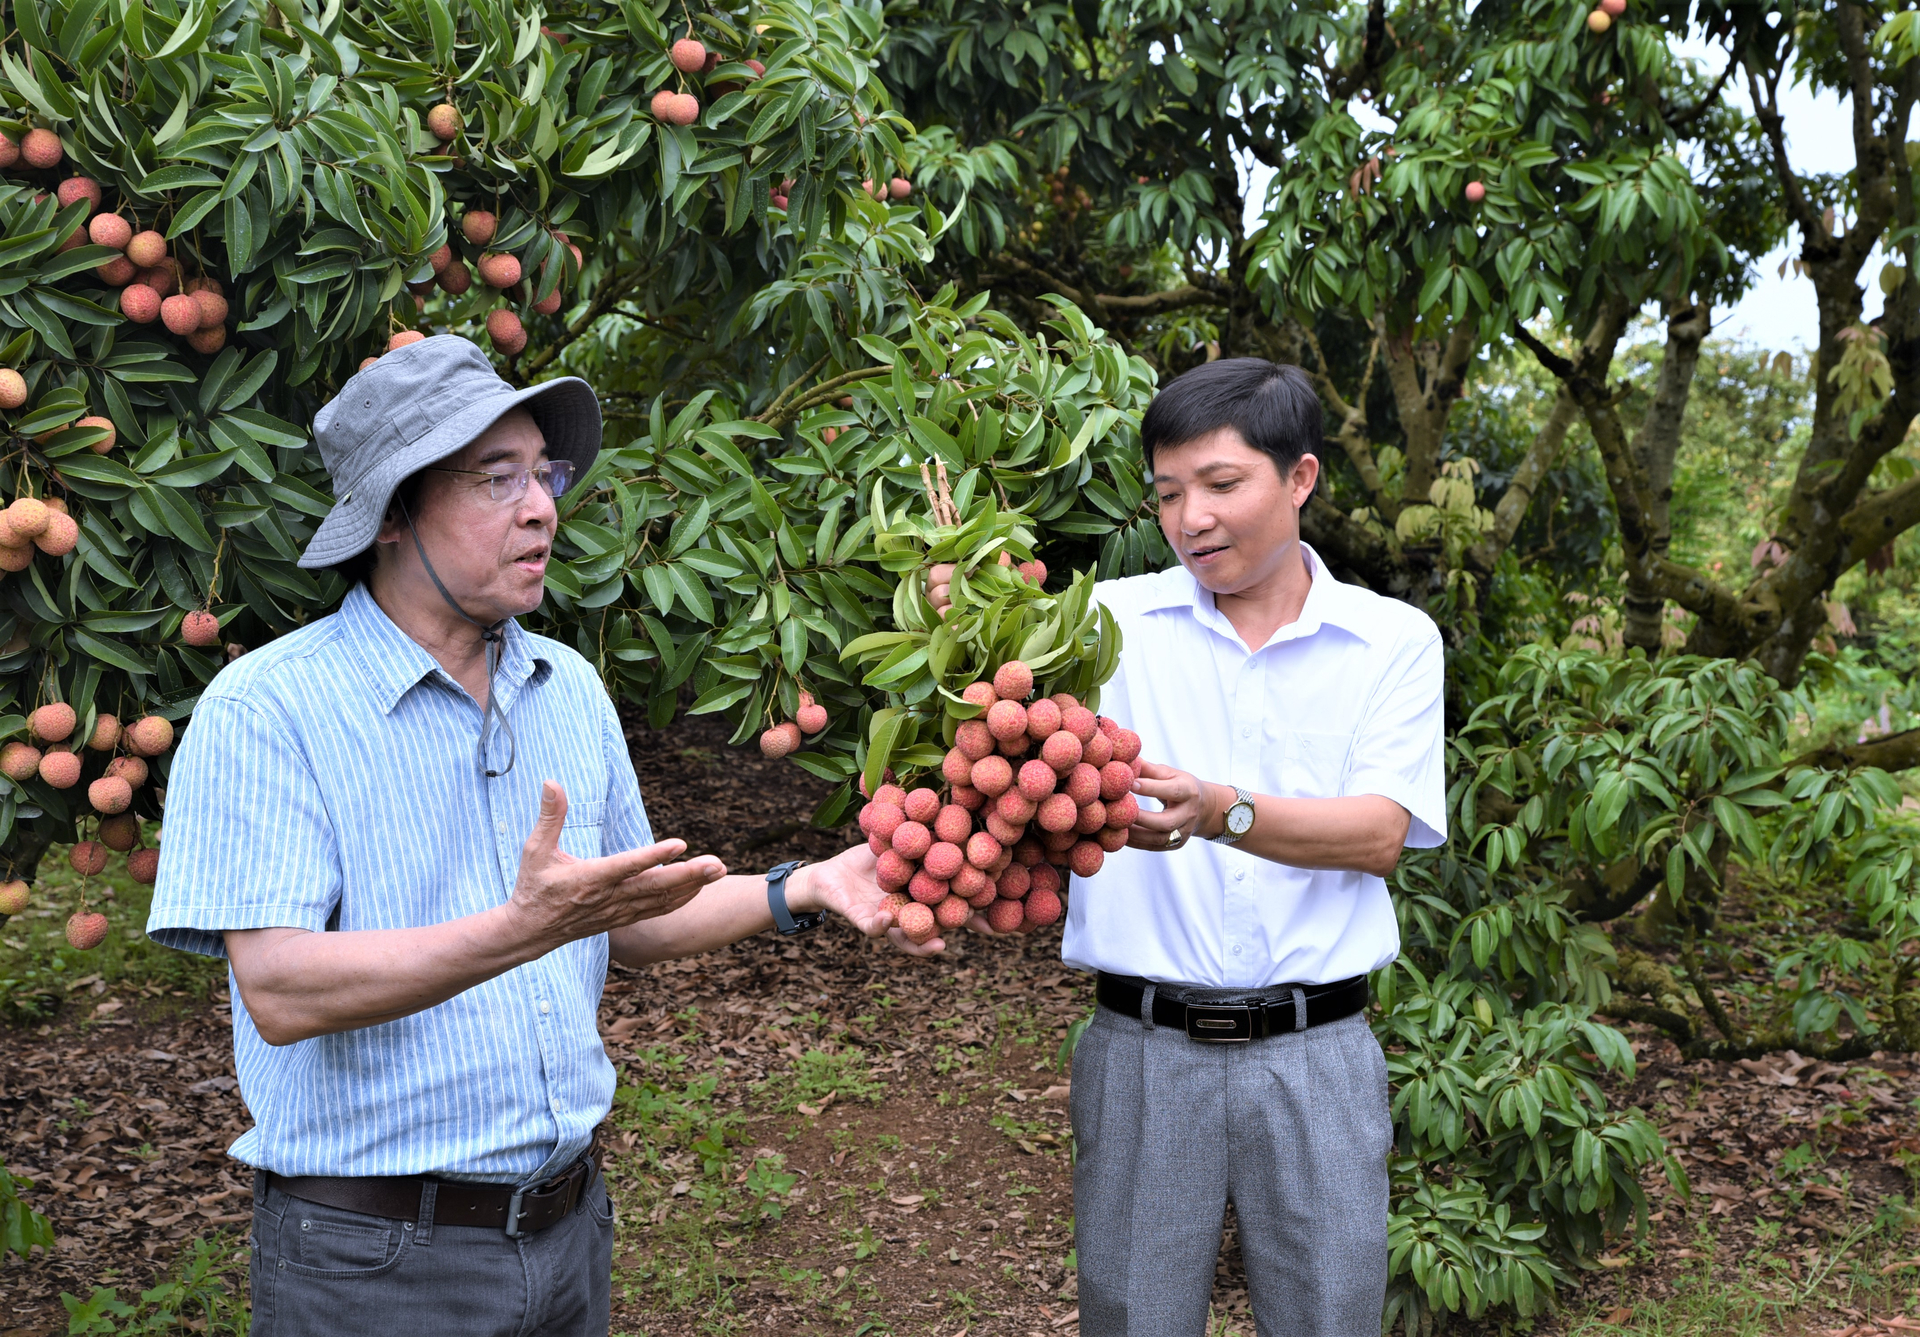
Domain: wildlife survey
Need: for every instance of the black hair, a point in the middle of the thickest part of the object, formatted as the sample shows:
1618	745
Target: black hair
359	567
1273	407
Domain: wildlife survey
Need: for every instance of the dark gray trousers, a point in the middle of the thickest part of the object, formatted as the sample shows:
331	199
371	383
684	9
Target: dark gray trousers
321	1272
1293	1129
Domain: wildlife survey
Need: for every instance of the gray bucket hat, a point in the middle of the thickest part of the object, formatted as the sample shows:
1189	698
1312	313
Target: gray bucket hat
418	405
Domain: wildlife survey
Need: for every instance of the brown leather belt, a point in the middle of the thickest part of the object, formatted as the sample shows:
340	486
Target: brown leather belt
517	1211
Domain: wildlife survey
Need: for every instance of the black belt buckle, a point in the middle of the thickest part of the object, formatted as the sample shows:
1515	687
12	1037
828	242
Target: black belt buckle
1219	1024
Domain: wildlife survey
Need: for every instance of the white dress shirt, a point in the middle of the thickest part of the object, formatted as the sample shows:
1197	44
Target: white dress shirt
1345	700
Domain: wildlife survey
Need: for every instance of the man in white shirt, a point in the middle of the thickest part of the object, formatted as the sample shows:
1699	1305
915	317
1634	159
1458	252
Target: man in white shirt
1297	726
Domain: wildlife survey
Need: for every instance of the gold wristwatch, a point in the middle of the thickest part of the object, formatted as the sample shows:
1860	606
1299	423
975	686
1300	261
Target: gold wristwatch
1239	818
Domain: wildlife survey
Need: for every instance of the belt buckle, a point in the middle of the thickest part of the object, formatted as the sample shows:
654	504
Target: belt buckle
1219	1024
513	1214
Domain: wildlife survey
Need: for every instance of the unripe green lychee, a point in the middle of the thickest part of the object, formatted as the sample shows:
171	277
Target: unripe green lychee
1007	720
953	823
892	870
943	860
1013	681
1062	752
912	840
952	913
917	922
1043	720
974	739
86	931
922	805
1015	808
143	865
1006	916
927	889
13	897
993	776
109	794
120	833
1042	908
956	767
149	736
88	857
19	761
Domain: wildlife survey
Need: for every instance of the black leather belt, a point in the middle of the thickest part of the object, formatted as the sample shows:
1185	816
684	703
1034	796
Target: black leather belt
1227	1016
517	1211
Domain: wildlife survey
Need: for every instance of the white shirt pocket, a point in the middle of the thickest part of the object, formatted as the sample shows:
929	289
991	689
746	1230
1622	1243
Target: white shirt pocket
1314	765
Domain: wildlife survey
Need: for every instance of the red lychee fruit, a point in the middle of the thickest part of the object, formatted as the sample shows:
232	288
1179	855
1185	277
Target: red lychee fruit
9	151
887	819
1082	784
972	737
1082	723
53	722
877	845
688	55
106	732
1116	778
980	694
970	881
1123	811
1126	745
120	833
943	860
117	272
956	767
1030	853
1046	878
1007	720
893	870
444	121
86	931
676	108
455	279
13	393
1013	681
1057	813
922	805
19	761
1043	720
146	249
59	537
917	922
509	336
1006	916
1037	780
1015	808
1597	22
1098	750
110	230
912	840
1111	838
969	798
985	899
894	902
953	823
927	889
478	226
1042	908
440	259
499	270
77	188
952	913
180	314
15	558
401	338
983	850
778	741
149	736
1476	191
900	188
547	306
1014	881
754	65
890	793
210	339
1092	818
13	897
1062	752
25	519
163	278
41	148
1014	747
1002	830
200	628
131	769
60	769
140	304
1058	843
1614	8
88	857
143	865
109	794
992	776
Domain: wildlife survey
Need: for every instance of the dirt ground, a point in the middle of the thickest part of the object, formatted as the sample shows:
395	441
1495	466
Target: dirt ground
821	1136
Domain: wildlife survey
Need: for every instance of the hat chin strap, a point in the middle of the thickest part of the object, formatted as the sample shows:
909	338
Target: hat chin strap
495	637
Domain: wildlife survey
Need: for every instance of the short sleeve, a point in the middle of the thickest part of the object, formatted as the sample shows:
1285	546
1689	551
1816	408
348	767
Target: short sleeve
627	827
247	841
1399	749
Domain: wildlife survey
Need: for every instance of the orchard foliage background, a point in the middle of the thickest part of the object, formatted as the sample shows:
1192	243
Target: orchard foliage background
1528	432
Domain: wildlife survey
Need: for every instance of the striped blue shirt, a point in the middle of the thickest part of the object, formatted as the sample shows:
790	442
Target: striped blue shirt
328	781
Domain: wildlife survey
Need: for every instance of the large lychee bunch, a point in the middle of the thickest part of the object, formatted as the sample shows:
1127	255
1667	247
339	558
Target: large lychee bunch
1036	790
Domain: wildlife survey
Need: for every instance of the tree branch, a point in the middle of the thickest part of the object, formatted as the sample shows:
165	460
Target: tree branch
602	302
820	394
1511	509
1895	752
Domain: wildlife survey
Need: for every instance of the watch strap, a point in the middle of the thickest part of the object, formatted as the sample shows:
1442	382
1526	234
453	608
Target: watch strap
784	920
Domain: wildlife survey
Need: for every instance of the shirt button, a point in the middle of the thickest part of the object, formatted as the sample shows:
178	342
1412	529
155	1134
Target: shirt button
1246	731
545	1007
556	1104
1236	951
501	827
1239	875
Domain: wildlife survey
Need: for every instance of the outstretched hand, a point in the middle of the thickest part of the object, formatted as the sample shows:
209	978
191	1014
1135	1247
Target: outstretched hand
560	898
845	885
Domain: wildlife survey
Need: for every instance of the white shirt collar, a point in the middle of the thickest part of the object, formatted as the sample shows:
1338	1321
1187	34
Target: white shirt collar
1329	603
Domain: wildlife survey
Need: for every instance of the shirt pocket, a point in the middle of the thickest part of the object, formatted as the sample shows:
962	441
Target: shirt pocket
1315	765
580	834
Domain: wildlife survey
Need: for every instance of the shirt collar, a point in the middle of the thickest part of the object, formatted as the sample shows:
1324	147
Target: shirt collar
395	663
1329	603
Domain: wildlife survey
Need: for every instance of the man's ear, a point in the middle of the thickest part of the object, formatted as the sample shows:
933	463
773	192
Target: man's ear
1305	478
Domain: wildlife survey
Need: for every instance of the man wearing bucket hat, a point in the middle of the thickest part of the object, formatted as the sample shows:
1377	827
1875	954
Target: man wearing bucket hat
414	830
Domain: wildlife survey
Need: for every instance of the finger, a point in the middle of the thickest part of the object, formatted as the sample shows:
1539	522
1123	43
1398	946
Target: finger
543	842
931	947
702	870
1155	771
628	863
1155	842
1161	822
940	595
942	573
977	923
1177	790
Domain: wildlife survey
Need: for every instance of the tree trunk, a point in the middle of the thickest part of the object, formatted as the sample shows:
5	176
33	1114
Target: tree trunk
1653	448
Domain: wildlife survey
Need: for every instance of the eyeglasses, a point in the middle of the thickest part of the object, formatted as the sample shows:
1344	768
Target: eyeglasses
510	484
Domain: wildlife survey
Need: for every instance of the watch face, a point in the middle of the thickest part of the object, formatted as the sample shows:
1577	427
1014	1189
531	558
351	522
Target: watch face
1240	819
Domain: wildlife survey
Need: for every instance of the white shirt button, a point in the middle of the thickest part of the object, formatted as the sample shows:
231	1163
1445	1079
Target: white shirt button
501	827
1239	875
1236	951
545	1007
1246	731
556	1104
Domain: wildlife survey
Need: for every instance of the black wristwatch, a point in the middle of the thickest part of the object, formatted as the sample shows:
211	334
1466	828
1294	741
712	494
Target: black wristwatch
784	919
